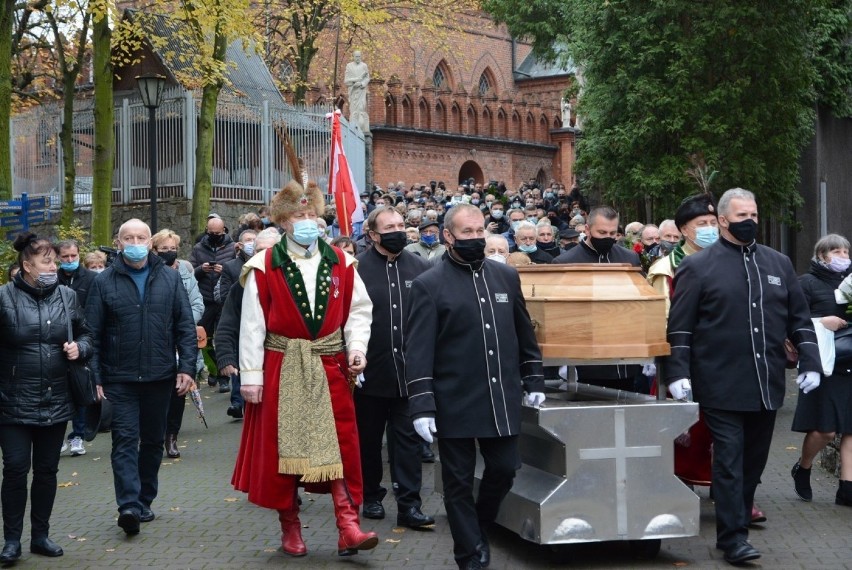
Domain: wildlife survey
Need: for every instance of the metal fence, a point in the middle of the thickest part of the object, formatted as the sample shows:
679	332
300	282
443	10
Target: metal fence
249	156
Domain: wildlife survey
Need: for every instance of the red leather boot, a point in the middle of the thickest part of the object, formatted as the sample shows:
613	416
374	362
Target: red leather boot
352	539
291	533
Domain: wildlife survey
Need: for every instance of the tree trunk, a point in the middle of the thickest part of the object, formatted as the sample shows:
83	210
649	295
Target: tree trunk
104	133
66	138
6	12
204	158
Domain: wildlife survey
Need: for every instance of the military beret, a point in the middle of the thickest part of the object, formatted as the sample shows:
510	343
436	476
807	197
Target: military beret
694	206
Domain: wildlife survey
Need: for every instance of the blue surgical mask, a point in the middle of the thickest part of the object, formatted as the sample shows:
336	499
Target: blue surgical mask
527	248
515	225
428	240
497	214
532	219
248	248
706	236
265	221
305	232
69	265
136	252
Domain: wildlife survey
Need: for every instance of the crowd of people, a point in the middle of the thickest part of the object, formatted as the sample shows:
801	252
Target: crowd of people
329	345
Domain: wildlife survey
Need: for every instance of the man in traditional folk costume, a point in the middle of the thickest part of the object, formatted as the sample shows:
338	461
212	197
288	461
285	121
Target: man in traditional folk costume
303	300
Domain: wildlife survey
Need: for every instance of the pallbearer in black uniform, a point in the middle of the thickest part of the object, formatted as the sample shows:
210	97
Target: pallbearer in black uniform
469	356
734	303
387	271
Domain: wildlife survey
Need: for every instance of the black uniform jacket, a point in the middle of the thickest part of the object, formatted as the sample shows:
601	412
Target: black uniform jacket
585	254
470	350
582	253
388	284
732	307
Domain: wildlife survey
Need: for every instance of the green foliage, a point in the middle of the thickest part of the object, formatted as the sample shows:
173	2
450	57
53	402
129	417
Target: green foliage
8	256
679	95
76	231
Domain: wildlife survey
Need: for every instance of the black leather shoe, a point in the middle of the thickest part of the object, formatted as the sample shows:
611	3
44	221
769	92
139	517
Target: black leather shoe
741	553
426	454
128	520
235	412
147	515
11	552
802	482
484	550
45	547
374	510
471	564
414	518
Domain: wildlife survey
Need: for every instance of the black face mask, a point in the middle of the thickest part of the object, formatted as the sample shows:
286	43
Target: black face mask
602	245
470	250
666	246
168	257
745	231
394	242
215	239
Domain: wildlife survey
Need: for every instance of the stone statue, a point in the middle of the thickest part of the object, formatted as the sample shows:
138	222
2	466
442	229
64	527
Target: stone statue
357	79
566	113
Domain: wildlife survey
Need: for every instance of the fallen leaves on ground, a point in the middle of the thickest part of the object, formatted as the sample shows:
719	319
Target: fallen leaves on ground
392	541
398	530
791	448
110	549
74	474
270	550
231	499
174	509
68	484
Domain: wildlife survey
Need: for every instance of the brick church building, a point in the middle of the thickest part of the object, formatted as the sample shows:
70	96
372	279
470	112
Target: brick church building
477	105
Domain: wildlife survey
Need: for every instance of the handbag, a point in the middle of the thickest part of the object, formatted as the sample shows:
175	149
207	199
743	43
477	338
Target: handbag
81	379
843	348
791	354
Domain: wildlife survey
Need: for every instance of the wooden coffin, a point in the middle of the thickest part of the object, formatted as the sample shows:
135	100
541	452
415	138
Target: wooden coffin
594	311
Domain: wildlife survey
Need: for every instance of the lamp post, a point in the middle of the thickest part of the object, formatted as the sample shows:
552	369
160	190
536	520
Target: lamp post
151	89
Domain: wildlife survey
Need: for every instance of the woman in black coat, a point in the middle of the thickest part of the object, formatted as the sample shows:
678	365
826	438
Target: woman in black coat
35	401
828	409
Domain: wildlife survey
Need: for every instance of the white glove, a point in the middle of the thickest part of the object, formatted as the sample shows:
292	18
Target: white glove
681	389
425	427
359	380
534	399
563	372
649	370
808	381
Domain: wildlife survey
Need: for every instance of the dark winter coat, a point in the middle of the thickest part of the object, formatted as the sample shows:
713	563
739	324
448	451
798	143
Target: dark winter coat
202	253
34	328
818	285
230	275
138	341
80	280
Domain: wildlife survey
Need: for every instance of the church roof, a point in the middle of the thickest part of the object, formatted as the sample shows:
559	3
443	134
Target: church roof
249	80
537	67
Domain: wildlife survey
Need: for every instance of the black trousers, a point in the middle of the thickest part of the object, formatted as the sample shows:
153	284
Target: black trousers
24	446
139	412
469	518
741	443
372	414
175	417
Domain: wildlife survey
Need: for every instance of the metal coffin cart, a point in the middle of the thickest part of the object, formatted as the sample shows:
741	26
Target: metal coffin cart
598	463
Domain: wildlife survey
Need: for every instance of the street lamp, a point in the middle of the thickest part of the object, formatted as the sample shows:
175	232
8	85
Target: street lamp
151	89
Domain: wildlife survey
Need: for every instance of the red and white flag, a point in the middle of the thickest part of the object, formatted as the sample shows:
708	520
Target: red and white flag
341	183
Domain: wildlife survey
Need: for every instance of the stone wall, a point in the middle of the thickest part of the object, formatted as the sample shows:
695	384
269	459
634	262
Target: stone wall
830	457
173	213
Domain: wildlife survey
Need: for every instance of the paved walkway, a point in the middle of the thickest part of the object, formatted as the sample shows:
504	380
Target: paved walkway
203	523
